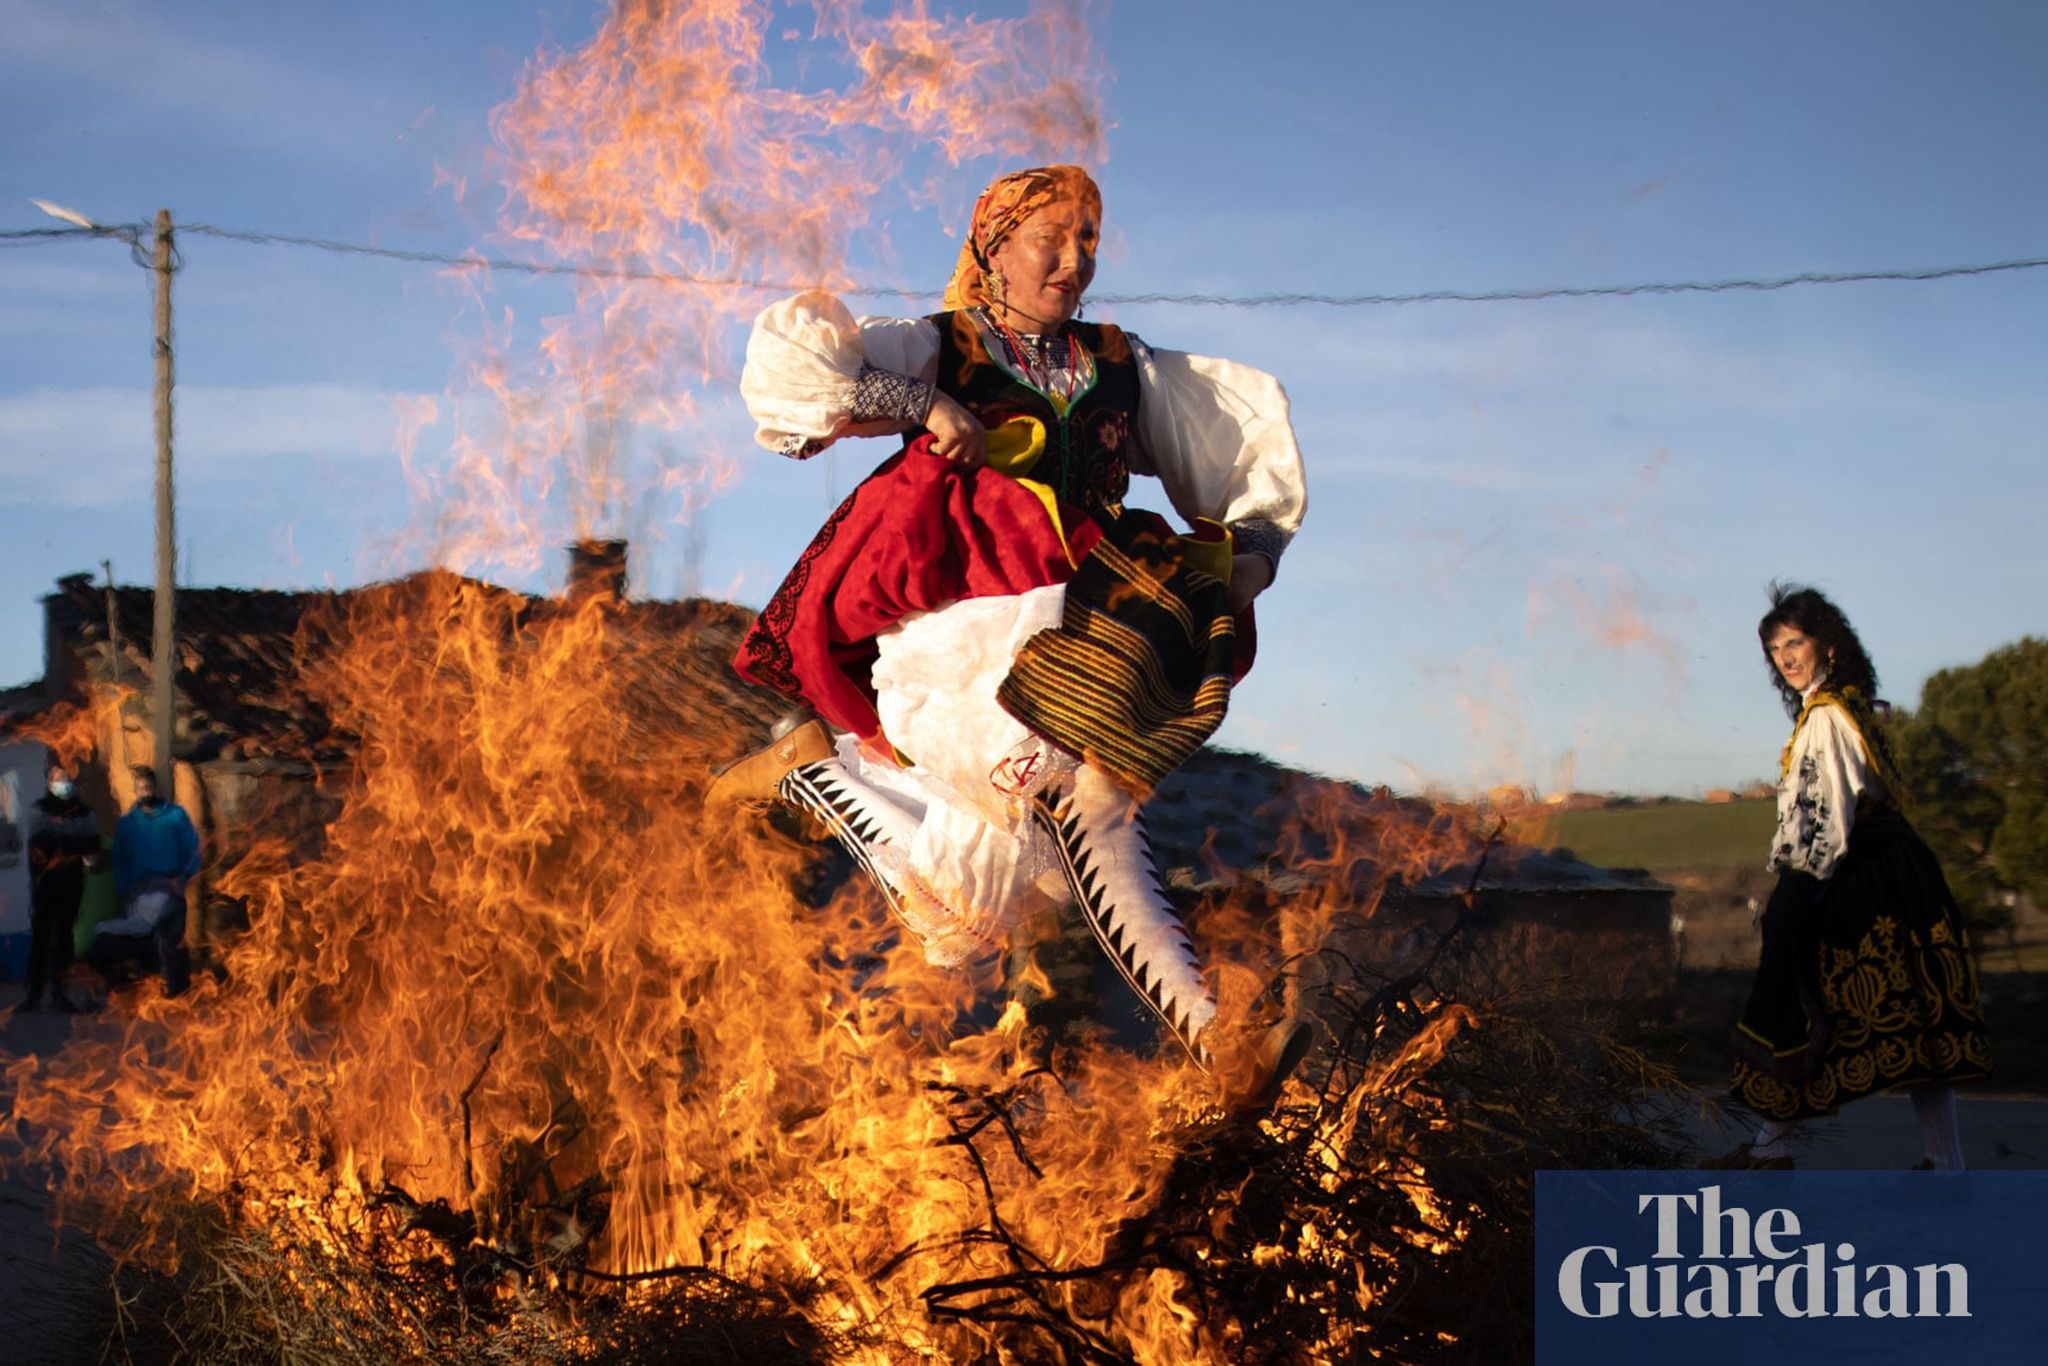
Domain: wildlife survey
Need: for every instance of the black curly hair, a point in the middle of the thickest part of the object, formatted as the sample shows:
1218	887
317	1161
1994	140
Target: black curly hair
1808	610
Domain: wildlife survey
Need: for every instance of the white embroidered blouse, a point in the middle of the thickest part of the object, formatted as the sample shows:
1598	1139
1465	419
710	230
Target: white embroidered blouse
1214	432
1828	776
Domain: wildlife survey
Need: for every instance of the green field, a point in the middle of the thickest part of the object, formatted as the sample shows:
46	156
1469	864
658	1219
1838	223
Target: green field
1689	835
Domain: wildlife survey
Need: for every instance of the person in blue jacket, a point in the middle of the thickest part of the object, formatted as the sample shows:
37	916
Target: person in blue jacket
156	854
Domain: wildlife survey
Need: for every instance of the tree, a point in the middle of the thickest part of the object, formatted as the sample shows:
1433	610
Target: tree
1974	761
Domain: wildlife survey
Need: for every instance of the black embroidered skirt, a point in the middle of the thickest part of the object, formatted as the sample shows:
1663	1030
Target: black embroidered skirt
1865	982
1138	674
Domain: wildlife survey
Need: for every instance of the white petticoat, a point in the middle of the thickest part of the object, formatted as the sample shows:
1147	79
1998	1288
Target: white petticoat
976	863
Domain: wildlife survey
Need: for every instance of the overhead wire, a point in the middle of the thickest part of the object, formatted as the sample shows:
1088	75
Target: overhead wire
132	234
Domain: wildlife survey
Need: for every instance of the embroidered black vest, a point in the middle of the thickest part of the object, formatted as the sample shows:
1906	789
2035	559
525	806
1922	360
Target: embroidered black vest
1085	454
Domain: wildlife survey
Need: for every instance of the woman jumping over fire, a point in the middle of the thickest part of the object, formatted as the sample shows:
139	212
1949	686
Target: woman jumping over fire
1012	658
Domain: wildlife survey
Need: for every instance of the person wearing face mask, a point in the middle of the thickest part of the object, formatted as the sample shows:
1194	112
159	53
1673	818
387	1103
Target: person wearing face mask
1010	656
156	854
62	835
1865	981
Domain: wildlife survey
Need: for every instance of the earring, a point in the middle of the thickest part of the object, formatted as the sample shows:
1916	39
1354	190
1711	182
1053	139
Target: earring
992	284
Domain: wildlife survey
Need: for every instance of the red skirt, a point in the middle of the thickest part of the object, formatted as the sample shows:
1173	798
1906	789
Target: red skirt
918	533
1136	678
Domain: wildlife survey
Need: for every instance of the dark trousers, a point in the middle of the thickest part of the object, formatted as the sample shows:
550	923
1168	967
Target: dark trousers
162	949
49	949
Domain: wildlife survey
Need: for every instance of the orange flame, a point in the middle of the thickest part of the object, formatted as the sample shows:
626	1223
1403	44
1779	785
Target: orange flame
694	142
70	730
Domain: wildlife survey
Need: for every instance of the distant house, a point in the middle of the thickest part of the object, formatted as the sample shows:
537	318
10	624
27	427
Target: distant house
1508	796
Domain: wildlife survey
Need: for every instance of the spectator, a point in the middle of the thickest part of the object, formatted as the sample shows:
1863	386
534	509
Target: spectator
156	854
62	835
1864	980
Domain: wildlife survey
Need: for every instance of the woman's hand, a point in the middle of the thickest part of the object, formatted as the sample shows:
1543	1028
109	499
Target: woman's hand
1250	575
957	435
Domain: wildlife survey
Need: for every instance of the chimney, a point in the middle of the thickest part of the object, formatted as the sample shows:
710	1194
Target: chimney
597	569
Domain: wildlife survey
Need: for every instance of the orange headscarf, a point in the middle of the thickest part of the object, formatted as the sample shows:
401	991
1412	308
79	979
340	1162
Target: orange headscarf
1001	210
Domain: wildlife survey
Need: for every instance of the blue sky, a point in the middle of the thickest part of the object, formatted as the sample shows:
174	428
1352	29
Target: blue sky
1539	532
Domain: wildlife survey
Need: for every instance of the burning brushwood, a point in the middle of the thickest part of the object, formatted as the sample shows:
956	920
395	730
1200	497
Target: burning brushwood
494	1057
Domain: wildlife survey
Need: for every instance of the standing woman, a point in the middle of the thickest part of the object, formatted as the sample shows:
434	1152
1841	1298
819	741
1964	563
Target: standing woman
1865	982
1004	657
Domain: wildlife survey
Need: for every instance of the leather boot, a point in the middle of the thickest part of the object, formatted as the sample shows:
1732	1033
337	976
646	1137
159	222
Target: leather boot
1108	862
754	779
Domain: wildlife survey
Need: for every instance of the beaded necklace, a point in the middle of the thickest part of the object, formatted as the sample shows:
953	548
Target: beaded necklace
1036	360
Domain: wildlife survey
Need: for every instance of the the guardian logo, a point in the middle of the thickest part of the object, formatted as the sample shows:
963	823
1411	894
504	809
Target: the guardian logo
1718	1262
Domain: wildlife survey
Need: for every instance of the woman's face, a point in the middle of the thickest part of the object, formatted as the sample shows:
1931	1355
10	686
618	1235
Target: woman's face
1796	656
1046	264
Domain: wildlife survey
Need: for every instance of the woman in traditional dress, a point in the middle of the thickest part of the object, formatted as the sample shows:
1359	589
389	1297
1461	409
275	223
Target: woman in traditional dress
1865	982
1010	658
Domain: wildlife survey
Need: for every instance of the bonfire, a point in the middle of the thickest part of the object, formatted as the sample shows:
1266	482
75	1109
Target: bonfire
533	1059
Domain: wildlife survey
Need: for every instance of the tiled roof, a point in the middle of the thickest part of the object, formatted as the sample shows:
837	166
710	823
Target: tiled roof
244	655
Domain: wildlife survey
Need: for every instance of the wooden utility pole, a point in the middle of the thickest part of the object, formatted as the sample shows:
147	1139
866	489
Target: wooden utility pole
163	666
